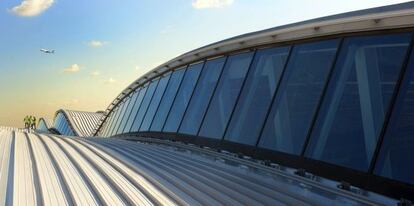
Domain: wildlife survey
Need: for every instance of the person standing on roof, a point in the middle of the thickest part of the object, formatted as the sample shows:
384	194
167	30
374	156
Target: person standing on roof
33	125
26	122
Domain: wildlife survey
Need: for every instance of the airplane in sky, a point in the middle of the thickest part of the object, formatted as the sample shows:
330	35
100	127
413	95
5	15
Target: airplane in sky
47	51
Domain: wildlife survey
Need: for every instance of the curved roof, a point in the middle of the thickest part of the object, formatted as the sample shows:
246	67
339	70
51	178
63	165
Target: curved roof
48	122
97	171
11	129
82	123
380	18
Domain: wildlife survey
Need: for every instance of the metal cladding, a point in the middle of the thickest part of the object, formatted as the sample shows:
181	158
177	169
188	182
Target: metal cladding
332	96
380	18
81	123
39	169
11	129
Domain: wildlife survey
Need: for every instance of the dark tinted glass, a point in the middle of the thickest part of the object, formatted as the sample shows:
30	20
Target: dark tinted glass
256	97
182	98
202	95
146	123
144	106
225	96
167	100
395	159
352	114
296	100
128	110
135	109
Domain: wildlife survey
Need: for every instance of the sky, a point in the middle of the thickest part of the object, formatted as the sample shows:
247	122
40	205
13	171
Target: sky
102	46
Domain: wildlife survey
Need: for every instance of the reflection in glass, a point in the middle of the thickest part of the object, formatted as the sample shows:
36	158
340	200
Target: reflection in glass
156	99
133	98
255	99
144	106
167	100
395	159
225	96
202	94
296	100
135	109
182	98
352	114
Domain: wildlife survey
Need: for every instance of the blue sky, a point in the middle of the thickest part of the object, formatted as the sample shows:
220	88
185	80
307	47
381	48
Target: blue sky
103	45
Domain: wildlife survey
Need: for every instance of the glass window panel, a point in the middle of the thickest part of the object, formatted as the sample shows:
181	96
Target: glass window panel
116	119
135	109
202	95
295	104
395	159
122	115
182	98
111	123
128	110
144	106
225	96
167	100
108	124
156	99
357	100
256	97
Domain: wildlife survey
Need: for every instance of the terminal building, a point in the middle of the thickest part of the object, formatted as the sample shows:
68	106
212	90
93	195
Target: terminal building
323	105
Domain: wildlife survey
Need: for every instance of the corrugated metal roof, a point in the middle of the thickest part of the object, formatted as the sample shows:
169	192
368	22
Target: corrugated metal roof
48	122
83	123
39	169
6	128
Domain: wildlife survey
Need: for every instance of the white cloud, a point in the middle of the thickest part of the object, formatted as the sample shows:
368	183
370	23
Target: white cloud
32	7
95	73
72	69
205	4
137	68
96	43
110	81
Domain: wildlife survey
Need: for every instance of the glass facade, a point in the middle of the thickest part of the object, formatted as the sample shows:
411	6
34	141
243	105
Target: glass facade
257	94
167	100
155	102
352	114
182	98
339	101
135	109
202	94
144	106
42	126
62	125
298	95
395	157
225	96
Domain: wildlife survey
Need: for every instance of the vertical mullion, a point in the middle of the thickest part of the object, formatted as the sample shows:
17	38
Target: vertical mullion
192	94
282	74
401	79
143	97
212	95
149	103
162	98
132	107
321	99
240	92
175	96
